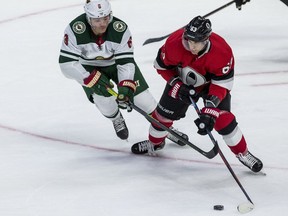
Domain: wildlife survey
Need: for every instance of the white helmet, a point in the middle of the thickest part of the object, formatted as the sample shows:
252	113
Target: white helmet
97	9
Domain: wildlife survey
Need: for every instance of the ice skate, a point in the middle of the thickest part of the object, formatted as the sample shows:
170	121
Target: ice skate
250	161
145	147
120	127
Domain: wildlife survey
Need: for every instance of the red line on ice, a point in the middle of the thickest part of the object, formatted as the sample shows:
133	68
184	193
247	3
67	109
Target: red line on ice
37	13
117	150
262	73
270	84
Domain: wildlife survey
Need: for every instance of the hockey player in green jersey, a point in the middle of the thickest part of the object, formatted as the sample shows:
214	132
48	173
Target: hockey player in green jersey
97	49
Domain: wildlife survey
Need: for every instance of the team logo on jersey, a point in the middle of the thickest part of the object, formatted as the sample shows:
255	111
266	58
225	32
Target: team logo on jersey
79	27
190	76
104	58
119	26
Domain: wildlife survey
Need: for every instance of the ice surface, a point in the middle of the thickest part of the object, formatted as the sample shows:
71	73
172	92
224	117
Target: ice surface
60	157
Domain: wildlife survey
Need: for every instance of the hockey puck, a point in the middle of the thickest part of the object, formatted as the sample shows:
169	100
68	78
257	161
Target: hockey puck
218	207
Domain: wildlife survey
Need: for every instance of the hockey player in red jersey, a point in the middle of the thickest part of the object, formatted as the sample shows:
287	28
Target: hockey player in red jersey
195	58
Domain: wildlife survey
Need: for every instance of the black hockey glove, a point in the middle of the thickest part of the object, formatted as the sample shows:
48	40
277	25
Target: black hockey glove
98	82
181	91
206	120
208	115
126	89
239	3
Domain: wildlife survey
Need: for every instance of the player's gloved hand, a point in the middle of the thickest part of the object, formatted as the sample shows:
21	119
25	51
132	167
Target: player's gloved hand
98	82
181	91
239	3
126	90
206	120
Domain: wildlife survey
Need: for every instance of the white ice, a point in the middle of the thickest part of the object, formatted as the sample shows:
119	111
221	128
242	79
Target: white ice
60	157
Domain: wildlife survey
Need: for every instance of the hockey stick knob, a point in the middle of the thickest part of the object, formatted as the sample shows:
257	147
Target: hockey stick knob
192	92
202	125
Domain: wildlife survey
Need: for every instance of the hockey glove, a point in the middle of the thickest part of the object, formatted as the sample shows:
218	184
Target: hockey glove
239	3
206	120
126	90
98	82
181	91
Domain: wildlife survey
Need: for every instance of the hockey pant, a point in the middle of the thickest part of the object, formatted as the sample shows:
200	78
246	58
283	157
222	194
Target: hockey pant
170	109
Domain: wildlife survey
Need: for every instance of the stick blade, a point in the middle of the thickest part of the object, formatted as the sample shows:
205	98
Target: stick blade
285	2
156	39
246	207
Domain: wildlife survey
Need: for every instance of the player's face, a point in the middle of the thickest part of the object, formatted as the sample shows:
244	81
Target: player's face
99	25
196	47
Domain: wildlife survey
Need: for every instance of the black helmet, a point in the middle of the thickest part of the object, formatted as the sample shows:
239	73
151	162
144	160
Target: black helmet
198	29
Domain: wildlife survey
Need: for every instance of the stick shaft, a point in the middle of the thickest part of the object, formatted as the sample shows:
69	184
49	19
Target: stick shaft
157	39
222	155
210	154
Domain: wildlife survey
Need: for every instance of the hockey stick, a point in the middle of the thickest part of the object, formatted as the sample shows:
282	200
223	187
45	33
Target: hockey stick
244	207
157	39
285	2
210	154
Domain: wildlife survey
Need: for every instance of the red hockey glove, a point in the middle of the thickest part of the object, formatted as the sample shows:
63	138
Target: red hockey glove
98	82
206	120
126	90
181	91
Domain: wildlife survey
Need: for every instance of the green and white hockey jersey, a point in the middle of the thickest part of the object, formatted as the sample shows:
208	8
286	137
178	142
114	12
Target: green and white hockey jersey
112	53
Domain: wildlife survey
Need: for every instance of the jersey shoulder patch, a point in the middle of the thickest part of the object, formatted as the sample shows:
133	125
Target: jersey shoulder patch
119	26
116	30
79	27
79	24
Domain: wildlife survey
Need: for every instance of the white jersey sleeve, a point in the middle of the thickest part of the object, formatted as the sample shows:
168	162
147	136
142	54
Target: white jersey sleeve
72	69
125	51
